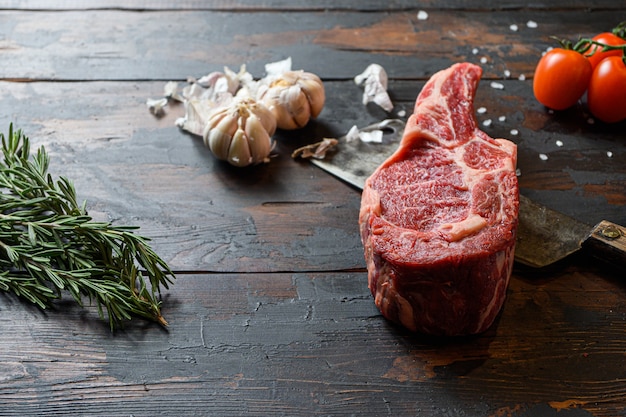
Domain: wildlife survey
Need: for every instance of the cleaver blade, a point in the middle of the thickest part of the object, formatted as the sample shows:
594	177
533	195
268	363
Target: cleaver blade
544	236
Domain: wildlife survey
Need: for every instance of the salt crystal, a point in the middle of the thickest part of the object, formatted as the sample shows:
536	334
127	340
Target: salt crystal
521	77
497	86
514	132
475	51
507	73
531	24
518	172
502	118
401	113
483	60
487	123
543	156
422	15
481	110
559	143
513	27
609	154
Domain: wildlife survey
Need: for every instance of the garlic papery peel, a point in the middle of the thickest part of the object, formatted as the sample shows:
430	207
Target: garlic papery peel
240	133
273	69
294	97
374	81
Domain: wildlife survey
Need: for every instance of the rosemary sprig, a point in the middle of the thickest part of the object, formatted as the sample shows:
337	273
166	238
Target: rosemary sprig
49	244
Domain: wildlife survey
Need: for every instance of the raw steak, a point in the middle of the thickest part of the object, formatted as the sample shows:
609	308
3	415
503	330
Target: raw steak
438	218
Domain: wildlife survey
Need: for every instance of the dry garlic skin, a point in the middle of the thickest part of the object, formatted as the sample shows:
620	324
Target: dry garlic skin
240	133
294	97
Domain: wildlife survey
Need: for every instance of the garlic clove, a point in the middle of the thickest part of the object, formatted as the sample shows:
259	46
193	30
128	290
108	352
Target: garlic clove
239	152
218	136
293	97
259	141
315	94
293	108
241	132
265	116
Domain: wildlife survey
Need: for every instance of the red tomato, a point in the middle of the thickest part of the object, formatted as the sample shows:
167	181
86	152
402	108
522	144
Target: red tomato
561	78
606	38
606	96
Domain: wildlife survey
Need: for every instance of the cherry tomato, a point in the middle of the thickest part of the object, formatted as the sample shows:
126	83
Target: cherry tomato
561	78
606	96
606	38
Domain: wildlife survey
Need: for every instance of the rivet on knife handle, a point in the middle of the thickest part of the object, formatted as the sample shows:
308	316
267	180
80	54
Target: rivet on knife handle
608	241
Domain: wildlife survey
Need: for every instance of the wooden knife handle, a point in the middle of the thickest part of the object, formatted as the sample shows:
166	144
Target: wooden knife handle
607	241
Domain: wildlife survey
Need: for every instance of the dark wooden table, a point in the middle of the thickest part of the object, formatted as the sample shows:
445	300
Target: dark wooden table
270	314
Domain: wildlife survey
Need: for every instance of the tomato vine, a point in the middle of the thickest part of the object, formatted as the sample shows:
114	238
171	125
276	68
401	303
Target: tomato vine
596	66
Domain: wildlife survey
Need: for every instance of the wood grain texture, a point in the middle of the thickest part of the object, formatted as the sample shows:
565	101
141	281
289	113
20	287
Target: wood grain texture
308	344
303	5
130	45
204	215
270	314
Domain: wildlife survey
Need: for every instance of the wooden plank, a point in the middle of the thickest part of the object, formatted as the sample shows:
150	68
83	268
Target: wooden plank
309	344
288	215
202	214
172	45
270	313
283	323
303	5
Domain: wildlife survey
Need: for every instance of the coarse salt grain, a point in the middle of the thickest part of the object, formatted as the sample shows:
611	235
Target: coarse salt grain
475	51
518	172
402	113
514	132
483	60
507	73
531	24
481	110
609	154
521	77
543	156
422	15
487	123
497	86
559	143
502	118
514	27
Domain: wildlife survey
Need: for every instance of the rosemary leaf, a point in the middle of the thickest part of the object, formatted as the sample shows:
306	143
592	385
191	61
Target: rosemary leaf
50	245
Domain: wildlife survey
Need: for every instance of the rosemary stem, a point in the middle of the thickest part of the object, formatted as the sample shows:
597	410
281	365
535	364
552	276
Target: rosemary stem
49	244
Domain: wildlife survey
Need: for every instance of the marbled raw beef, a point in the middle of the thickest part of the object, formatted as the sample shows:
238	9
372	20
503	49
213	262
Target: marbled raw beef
438	218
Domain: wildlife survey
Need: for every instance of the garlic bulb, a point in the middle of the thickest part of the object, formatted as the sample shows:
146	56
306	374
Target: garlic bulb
241	132
294	97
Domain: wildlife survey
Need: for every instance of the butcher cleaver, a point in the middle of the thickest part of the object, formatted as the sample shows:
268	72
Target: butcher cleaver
544	236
